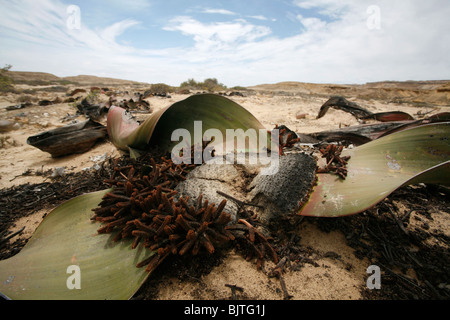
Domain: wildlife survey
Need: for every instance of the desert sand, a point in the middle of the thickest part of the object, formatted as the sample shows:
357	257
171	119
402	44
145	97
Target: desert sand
335	270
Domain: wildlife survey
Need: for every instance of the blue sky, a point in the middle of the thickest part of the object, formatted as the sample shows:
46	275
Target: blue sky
238	42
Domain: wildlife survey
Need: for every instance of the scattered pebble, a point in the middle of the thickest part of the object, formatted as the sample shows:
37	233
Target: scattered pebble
300	116
6	125
58	172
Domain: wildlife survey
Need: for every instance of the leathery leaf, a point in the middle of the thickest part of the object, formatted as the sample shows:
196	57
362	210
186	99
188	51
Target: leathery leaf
214	112
66	259
378	168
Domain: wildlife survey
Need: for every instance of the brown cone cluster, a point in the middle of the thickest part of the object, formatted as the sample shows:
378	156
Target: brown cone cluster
144	207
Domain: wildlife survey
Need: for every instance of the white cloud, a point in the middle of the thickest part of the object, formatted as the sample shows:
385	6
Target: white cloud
312	23
46	23
38	39
219	11
330	8
217	35
262	18
259	17
409	43
333	43
110	33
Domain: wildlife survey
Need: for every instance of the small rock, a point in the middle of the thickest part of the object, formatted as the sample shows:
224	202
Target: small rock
58	172
300	116
6	125
99	158
44	103
236	93
19	106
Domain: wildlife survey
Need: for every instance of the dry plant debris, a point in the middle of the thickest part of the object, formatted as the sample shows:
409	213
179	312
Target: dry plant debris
143	206
287	138
334	162
374	235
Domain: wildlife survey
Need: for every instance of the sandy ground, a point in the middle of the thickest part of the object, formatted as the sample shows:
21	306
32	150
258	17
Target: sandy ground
16	157
331	278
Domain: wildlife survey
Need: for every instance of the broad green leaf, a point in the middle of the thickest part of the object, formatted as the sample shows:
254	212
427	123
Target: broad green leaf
214	111
378	168
67	237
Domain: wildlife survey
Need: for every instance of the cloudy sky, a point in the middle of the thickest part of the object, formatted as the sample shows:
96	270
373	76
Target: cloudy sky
239	42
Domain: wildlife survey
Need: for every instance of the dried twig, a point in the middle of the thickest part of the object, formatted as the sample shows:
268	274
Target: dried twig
234	288
3	241
397	220
240	203
334	162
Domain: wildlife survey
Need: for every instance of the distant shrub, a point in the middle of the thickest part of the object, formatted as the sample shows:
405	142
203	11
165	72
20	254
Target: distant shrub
184	91
93	97
160	89
6	83
210	85
42	82
28	91
36	82
239	88
65	82
190	84
26	98
7	141
53	89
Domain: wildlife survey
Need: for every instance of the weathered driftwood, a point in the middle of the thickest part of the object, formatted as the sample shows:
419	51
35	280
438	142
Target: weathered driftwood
357	135
343	104
361	134
92	111
76	138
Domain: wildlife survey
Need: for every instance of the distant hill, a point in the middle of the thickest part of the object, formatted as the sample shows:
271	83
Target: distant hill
307	87
42	78
23	76
92	80
433	92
